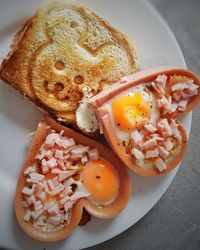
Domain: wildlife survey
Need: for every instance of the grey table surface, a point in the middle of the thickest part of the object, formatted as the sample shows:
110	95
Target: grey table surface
174	222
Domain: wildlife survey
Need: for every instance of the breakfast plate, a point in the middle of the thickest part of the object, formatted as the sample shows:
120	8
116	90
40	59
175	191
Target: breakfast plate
155	45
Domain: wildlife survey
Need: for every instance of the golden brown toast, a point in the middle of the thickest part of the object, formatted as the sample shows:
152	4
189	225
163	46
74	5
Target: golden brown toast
62	49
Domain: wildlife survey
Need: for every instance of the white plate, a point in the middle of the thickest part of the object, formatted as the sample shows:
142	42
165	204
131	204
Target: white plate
155	45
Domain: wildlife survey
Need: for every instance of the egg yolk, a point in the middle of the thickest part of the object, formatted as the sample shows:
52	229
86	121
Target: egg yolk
101	180
130	112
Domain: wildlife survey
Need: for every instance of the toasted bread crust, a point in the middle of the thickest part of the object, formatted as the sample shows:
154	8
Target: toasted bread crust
38	45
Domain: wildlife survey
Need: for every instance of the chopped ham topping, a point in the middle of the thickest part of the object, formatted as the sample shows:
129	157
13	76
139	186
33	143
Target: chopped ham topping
175	130
152	153
66	174
49	191
168	144
93	154
137	154
150	143
27	215
150	127
136	136
163	152
160	165
182	105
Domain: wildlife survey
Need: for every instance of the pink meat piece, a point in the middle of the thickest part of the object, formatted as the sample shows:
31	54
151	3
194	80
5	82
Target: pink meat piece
37	213
68	205
150	143
44	166
27	215
150	127
168	144
52	163
29	191
49	154
66	174
53	209
80	149
59	154
176	95
56	170
57	190
136	137
61	164
77	195
68	143
56	220
175	130
29	170
93	154
163	152
137	154
152	153
25	204
64	200
84	159
68	182
31	200
160	165
53	139
182	105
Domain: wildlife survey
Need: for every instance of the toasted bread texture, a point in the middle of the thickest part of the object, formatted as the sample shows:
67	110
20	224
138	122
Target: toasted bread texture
62	49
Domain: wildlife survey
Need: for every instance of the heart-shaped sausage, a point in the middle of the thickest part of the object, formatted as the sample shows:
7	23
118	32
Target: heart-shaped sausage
137	115
65	172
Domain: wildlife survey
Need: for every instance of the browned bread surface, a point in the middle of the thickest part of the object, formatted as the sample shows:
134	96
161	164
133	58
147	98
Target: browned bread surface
62	49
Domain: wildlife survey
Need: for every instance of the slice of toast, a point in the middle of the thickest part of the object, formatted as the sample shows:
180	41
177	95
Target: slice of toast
62	49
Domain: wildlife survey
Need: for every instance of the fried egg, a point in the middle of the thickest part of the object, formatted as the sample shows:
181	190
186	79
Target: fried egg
130	110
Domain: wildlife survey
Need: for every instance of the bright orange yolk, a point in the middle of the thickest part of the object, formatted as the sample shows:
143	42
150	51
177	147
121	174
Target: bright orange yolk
101	180
130	111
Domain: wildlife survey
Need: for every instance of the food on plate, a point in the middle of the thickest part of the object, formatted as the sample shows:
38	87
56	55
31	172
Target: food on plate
64	54
64	173
137	115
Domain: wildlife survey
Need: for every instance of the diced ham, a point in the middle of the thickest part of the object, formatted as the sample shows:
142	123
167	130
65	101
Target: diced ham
168	144
56	190
35	178
150	143
68	205
64	200
93	154
68	143
49	154
150	127
56	220
25	204
80	149
175	130
137	154
158	88
182	105
67	217
37	213
66	174
164	127
42	153
163	152
29	170
152	153
161	80
46	188
38	206
31	200
51	184
61	164
178	87
174	106
77	195
176	95
27	215
53	139
76	156
28	191
45	168
136	137
157	137
59	154
53	209
84	159
56	170
160	165
52	163
68	182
